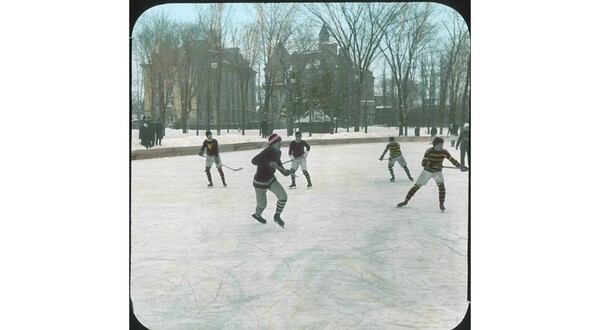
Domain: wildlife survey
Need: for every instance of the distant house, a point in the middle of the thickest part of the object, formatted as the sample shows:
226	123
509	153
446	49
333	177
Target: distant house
323	74
320	123
230	65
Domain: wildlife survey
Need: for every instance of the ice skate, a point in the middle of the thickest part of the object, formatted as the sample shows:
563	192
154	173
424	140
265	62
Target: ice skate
392	179
224	183
259	218
442	207
293	185
277	219
402	204
210	184
410	178
309	185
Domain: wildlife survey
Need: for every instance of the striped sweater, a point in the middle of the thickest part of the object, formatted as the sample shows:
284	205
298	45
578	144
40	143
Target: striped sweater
394	148
433	159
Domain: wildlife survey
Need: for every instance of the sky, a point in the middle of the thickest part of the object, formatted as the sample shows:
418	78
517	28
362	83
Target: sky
241	13
66	183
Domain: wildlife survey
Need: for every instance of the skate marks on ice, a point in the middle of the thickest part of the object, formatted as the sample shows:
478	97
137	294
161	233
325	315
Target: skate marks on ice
347	258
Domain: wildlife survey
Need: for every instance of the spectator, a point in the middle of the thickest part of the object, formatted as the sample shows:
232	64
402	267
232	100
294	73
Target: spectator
464	142
159	132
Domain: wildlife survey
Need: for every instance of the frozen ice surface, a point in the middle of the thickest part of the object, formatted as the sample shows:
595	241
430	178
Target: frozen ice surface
347	258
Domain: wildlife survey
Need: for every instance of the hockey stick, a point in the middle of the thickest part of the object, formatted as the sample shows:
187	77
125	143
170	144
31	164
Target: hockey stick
291	160
456	168
231	168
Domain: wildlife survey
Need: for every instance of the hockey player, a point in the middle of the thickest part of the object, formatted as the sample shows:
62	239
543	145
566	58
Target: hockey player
267	161
432	168
298	156
212	156
395	156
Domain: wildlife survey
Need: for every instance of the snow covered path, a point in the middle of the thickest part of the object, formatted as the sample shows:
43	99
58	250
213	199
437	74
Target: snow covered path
348	258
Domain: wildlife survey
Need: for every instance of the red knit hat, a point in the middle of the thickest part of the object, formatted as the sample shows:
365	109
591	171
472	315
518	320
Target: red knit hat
274	138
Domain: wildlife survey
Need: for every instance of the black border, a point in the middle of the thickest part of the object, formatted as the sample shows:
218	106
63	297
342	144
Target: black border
138	7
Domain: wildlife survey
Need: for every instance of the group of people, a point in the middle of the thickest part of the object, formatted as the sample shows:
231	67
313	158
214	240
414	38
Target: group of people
150	133
268	161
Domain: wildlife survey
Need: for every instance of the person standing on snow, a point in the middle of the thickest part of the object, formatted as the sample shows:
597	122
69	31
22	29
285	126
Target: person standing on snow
464	141
212	156
159	132
453	132
433	133
432	169
267	161
395	156
298	156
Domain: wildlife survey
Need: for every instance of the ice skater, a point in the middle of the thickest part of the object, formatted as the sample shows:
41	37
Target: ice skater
212	156
432	168
267	161
395	156
298	156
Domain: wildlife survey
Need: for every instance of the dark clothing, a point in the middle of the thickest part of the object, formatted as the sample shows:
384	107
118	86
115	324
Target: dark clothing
263	128
433	159
297	148
464	139
212	147
453	130
433	131
464	142
159	130
265	174
146	132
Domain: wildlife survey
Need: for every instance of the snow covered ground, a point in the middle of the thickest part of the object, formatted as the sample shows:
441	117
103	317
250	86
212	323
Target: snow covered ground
347	258
175	138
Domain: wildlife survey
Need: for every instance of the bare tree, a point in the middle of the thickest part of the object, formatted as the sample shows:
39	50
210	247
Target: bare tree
455	51
214	20
157	44
358	28
275	23
402	47
429	74
187	71
246	39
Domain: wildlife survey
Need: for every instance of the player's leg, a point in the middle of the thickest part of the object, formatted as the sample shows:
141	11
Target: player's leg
208	165
305	171
219	166
293	169
278	190
439	180
391	168
261	204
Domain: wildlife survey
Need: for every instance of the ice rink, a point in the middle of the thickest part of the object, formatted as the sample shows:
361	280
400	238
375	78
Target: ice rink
347	258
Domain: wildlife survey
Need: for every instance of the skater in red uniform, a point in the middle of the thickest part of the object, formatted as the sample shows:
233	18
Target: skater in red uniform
432	169
298	156
267	161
